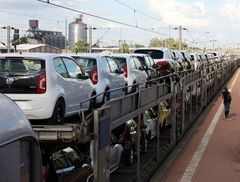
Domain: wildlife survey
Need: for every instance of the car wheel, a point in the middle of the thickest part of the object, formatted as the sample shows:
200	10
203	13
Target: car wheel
90	178
121	162
58	113
125	89
106	96
92	104
134	88
149	135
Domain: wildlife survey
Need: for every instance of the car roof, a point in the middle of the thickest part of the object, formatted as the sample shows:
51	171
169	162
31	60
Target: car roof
140	54
29	55
123	55
94	55
153	48
13	123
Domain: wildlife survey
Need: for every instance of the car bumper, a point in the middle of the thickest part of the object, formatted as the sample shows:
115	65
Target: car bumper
34	106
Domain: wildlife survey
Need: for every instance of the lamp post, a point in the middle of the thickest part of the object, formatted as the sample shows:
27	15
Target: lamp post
90	28
180	28
8	36
213	43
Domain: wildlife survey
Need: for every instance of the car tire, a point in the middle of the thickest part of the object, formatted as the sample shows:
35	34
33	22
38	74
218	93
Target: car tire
106	96
121	162
58	113
134	88
149	135
93	103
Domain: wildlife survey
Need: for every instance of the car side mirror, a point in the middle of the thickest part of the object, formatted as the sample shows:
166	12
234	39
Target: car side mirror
118	71
82	75
155	66
86	75
142	68
88	160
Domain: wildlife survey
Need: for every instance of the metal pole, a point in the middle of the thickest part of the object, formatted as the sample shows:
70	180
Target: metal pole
158	134
66	35
138	147
180	37
8	38
90	39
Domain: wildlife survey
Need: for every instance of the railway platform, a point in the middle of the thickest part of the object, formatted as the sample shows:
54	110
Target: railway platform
211	151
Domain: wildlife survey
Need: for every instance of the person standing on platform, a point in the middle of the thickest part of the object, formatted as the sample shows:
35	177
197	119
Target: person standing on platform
226	101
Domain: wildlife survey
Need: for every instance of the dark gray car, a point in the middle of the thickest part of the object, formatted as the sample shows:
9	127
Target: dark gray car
19	151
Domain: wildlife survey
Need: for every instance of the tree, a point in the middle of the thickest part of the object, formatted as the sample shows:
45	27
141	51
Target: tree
124	48
80	46
136	45
168	42
23	40
155	42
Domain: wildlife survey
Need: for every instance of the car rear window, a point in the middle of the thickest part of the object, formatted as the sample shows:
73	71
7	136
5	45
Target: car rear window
17	66
20	75
155	54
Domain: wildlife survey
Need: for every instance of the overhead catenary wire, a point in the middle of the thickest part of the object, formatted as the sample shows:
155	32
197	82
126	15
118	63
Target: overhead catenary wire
103	18
141	12
31	16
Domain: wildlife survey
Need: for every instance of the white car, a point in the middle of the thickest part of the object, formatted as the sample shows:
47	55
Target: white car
150	119
45	86
104	73
195	58
163	58
133	71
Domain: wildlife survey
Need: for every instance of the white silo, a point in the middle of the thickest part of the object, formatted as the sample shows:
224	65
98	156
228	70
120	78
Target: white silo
77	31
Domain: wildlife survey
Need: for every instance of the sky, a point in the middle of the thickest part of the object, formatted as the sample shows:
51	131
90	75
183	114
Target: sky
204	20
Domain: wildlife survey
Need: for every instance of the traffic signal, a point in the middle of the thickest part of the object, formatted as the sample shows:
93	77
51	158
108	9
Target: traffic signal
16	35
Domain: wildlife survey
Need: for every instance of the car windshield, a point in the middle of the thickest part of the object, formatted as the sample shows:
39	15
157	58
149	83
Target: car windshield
120	61
155	54
16	66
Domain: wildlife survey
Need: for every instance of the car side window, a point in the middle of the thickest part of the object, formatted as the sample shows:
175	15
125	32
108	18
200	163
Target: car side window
112	64
25	161
137	62
132	63
105	65
60	67
73	69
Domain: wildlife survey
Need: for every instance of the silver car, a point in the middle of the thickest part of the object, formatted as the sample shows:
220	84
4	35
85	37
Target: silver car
45	85
134	74
104	73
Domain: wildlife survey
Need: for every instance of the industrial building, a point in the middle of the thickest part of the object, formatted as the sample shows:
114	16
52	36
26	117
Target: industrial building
77	31
37	36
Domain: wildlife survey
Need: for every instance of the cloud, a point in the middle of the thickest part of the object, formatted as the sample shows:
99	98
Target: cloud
231	11
175	12
69	3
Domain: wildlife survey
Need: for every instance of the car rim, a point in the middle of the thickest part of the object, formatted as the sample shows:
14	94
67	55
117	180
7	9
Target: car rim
131	157
59	114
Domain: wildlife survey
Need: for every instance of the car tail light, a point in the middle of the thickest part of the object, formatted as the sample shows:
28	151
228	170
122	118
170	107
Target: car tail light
162	63
94	76
45	173
88	153
125	71
41	84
